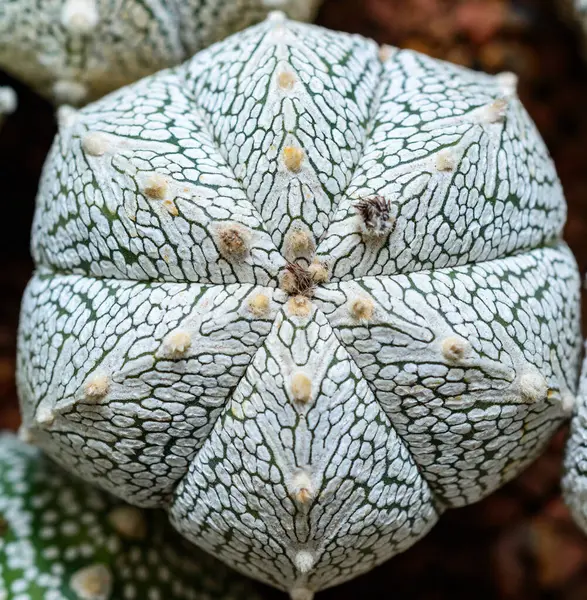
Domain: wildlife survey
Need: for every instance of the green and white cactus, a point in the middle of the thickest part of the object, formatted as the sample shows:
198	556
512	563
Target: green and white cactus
575	13
74	51
581	6
305	293
7	102
62	539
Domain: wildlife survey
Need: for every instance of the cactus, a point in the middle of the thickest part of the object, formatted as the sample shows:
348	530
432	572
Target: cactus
574	12
581	10
575	464
61	539
305	293
74	51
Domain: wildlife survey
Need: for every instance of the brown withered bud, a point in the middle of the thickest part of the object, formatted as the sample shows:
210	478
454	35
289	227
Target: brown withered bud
297	280
376	215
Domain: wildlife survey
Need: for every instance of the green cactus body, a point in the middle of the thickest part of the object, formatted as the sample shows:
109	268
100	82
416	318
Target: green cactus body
64	539
305	293
74	51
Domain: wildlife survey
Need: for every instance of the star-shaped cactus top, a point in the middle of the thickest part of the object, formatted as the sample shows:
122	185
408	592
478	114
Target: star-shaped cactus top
74	51
305	293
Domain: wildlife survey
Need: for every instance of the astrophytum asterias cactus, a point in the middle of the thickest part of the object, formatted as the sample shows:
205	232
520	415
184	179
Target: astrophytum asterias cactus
61	539
74	51
304	292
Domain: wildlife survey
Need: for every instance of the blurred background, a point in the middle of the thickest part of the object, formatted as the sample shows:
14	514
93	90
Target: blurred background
519	543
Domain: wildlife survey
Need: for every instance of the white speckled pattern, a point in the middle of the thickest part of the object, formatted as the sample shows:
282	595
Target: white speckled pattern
74	51
165	356
62	539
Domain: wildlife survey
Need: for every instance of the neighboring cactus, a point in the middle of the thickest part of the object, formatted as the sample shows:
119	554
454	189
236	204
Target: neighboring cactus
575	12
575	477
581	6
63	539
74	51
7	102
305	293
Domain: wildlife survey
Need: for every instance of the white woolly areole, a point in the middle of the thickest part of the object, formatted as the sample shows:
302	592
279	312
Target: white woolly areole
8	100
234	241
69	92
301	486
299	243
494	112
300	306
260	305
80	16
286	80
386	52
446	160
301	593
96	386
275	16
301	387
455	348
304	561
533	386
25	434
508	83
95	143
92	583
361	308
156	186
66	116
319	272
177	343
129	522
45	416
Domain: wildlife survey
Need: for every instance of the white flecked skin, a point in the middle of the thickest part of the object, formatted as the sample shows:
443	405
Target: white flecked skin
62	539
301	439
74	51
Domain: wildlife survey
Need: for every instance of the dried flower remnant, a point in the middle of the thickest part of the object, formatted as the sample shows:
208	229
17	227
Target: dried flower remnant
376	216
296	280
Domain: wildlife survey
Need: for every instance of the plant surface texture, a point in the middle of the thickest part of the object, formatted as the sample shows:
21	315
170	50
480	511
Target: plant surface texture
305	293
62	539
73	51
